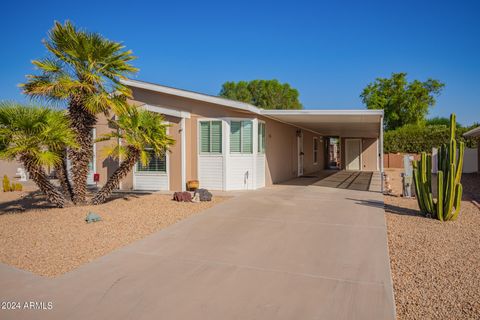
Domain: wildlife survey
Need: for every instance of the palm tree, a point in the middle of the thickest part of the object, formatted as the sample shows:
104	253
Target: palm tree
138	130
36	137
84	69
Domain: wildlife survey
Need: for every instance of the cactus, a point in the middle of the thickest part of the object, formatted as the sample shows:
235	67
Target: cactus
449	189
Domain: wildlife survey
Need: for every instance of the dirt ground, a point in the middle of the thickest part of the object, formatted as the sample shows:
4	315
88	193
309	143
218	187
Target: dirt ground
51	241
435	265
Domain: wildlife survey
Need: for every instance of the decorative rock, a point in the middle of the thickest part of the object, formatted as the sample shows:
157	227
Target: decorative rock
92	217
204	194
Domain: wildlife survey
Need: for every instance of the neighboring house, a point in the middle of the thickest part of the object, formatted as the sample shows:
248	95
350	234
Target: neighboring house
475	133
231	145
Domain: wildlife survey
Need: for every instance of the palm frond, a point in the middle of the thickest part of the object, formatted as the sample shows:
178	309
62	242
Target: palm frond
39	132
81	64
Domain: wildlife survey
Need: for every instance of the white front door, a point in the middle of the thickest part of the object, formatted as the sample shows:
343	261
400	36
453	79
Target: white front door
353	149
300	153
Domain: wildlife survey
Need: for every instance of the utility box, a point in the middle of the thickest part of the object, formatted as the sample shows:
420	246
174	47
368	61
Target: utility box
407	176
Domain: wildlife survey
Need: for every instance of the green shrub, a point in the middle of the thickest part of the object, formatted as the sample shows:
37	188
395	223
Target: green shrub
8	187
417	139
6	184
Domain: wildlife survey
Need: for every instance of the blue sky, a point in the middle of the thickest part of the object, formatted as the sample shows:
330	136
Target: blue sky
328	50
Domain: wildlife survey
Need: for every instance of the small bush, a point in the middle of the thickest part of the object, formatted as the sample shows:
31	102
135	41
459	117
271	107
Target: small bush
9	187
6	184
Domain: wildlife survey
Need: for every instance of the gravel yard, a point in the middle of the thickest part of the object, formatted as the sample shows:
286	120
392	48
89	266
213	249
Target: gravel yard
52	241
435	265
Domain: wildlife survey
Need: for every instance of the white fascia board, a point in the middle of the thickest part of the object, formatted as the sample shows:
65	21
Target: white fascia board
473	133
167	111
322	112
191	95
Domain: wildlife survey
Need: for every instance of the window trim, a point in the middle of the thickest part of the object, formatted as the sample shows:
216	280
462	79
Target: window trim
199	138
241	152
315	150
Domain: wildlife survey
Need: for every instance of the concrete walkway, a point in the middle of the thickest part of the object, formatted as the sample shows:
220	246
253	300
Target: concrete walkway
286	252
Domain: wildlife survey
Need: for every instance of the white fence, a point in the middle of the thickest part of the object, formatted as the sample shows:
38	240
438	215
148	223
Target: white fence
470	160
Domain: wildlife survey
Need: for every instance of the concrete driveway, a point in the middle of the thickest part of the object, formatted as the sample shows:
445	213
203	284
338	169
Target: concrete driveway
286	252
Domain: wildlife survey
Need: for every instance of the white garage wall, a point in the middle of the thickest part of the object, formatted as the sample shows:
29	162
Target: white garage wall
260	171
150	181
470	160
210	171
240	172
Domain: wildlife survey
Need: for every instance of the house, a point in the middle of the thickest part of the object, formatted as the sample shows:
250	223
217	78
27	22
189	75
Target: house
475	133
231	145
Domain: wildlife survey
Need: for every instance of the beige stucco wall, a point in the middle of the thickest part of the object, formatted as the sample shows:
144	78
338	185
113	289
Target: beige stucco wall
308	164
105	166
369	154
280	152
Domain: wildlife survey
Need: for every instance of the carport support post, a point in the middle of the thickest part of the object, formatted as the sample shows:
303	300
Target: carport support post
381	153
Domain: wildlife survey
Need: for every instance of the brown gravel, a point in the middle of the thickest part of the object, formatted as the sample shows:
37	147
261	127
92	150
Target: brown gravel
435	265
52	241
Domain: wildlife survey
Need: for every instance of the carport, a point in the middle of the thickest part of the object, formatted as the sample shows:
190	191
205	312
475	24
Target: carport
359	134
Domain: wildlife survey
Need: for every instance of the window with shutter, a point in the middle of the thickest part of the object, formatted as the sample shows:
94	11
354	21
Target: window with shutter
241	136
211	137
235	137
155	163
216	137
205	136
261	137
247	136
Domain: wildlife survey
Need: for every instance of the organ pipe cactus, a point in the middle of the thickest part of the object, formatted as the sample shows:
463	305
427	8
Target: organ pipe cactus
449	189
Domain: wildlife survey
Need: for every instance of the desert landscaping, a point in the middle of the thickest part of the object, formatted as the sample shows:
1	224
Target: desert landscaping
434	264
52	241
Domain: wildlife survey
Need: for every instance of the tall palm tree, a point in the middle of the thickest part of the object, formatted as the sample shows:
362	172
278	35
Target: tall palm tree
36	137
138	130
84	69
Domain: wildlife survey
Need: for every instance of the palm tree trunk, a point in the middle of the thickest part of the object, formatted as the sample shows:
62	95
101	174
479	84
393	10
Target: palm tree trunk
82	123
37	174
114	180
62	175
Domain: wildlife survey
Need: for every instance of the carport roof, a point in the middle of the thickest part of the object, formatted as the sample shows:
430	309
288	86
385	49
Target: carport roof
344	123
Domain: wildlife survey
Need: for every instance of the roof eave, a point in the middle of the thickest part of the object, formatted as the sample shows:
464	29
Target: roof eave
473	133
